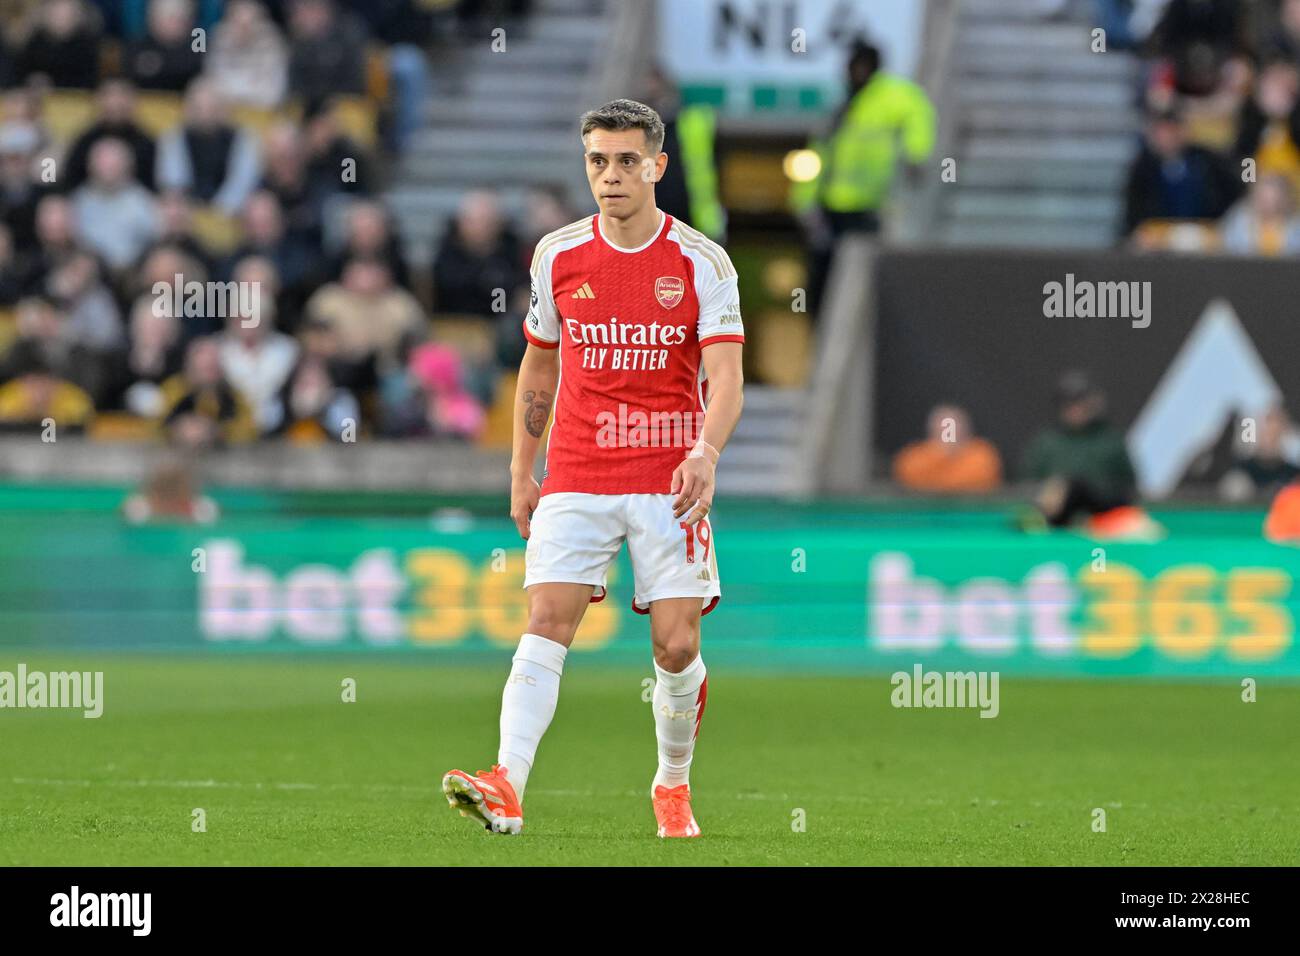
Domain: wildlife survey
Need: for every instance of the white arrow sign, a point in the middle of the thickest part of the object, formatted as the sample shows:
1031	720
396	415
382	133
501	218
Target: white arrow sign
1217	372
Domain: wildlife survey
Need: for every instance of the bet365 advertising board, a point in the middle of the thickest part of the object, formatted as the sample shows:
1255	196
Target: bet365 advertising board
817	588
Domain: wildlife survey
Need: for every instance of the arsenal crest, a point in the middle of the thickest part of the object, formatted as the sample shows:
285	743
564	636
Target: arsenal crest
669	290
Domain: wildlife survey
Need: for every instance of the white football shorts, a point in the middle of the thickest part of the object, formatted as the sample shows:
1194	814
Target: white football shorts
574	537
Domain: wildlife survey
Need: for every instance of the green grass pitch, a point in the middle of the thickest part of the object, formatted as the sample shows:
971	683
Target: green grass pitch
287	773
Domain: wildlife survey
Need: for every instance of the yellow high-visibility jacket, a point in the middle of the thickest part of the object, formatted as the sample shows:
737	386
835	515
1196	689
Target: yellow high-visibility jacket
696	126
889	116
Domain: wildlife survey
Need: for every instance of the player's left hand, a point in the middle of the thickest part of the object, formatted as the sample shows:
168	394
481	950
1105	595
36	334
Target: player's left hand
693	486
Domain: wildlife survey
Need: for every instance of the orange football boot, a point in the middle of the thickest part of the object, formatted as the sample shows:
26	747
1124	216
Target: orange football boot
486	797
673	811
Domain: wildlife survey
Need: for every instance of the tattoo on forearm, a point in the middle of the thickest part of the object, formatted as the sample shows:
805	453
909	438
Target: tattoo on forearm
537	409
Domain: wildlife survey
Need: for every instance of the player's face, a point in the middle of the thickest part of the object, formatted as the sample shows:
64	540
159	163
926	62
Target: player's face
622	171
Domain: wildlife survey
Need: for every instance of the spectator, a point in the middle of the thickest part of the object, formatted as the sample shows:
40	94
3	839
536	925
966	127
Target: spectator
1262	469
1082	461
327	50
56	239
169	495
478	254
1171	179
256	359
951	459
1195	37
545	211
1282	526
317	407
248	63
405	27
265	236
437	405
11	288
688	189
115	119
63	47
154	355
166	266
91	314
285	159
320	341
374	320
176	228
91	325
116	216
1264	222
20	189
208	156
33	394
335	162
200	409
1268	123
370	234
1284	39
43	330
166	58
884	118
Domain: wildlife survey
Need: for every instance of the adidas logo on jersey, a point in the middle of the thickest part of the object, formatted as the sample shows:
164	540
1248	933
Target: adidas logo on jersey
584	292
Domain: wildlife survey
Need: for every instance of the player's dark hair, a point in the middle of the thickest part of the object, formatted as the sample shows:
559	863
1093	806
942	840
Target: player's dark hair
627	114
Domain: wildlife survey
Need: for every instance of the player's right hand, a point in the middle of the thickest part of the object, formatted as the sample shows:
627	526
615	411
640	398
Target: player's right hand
525	493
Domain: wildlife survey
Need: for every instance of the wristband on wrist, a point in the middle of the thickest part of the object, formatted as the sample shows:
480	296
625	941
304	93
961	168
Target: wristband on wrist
703	449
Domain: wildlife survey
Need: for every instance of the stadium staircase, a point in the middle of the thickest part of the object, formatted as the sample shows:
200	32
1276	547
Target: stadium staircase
500	120
1042	128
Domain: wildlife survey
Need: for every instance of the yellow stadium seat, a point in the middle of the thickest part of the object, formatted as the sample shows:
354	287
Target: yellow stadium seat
783	350
358	118
473	337
216	230
158	112
377	74
66	113
255	118
121	426
499	425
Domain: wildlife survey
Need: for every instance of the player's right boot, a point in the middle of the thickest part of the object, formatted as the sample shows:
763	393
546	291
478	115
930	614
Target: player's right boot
486	797
672	807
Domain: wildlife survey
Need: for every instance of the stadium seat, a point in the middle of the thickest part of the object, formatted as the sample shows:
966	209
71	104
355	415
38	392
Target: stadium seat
499	425
216	230
782	348
470	335
1214	132
65	113
377	73
359	119
121	426
158	112
256	118
1177	235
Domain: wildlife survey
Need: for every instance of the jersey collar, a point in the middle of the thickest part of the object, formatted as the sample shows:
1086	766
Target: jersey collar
663	221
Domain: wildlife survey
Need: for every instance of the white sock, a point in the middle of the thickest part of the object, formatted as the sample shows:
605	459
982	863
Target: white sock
678	707
528	704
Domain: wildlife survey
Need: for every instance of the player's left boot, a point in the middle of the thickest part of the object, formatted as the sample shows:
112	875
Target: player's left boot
673	811
487	797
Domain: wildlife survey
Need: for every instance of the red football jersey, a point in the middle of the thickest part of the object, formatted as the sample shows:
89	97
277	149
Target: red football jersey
630	325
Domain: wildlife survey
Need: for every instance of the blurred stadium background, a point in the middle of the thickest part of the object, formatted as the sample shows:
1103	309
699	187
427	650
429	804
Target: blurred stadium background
932	465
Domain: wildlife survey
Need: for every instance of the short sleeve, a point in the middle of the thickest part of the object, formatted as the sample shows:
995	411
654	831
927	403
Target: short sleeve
719	308
542	325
